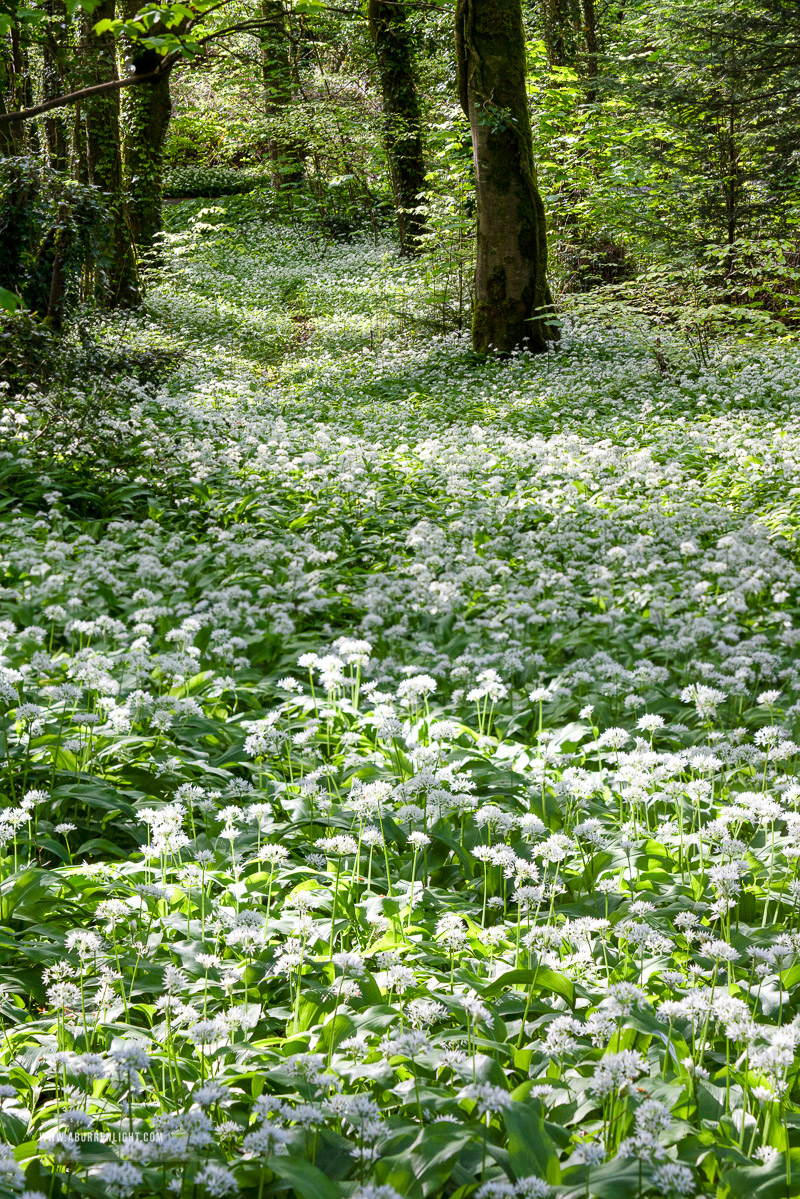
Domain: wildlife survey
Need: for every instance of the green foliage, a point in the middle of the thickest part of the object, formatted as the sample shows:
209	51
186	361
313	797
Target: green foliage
701	303
47	224
28	349
502	881
196	138
551	707
210	181
9	300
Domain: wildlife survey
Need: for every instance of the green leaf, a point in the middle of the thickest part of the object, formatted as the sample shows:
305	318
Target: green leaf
305	1179
429	1162
529	1145
539	979
614	1180
466	860
767	1181
9	301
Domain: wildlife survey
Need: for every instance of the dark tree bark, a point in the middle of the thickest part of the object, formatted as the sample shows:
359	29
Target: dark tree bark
12	91
104	164
8	133
286	153
402	126
55	73
145	116
513	304
59	249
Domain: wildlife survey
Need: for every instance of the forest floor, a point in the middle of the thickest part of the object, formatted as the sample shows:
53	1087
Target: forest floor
400	751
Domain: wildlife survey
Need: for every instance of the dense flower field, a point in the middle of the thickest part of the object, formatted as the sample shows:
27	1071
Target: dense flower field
401	792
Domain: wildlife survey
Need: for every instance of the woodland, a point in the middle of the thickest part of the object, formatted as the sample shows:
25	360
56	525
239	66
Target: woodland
399	683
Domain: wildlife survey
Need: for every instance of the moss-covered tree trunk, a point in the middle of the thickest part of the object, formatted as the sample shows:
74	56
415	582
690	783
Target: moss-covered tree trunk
117	283
145	116
513	304
285	151
402	126
146	111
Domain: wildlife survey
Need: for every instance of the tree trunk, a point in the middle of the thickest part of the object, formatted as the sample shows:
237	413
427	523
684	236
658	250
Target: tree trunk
77	148
146	113
286	153
592	49
730	165
20	195
55	78
8	133
402	126
12	92
60	248
145	117
513	304
572	38
104	164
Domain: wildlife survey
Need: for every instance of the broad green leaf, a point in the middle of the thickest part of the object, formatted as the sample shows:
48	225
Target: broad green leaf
305	1179
530	1147
537	979
9	301
430	1160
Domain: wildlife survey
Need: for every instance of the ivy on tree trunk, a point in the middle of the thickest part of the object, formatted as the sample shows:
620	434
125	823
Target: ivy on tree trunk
144	117
513	305
104	167
146	112
402	126
286	152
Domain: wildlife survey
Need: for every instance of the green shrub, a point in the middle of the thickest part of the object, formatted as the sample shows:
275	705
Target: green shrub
210	181
48	224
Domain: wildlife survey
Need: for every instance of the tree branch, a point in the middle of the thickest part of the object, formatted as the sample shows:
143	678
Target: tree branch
111	85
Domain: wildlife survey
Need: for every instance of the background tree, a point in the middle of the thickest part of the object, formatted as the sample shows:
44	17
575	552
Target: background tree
718	86
116	279
15	91
402	125
144	120
56	54
513	303
663	134
571	34
591	36
286	153
560	26
51	227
